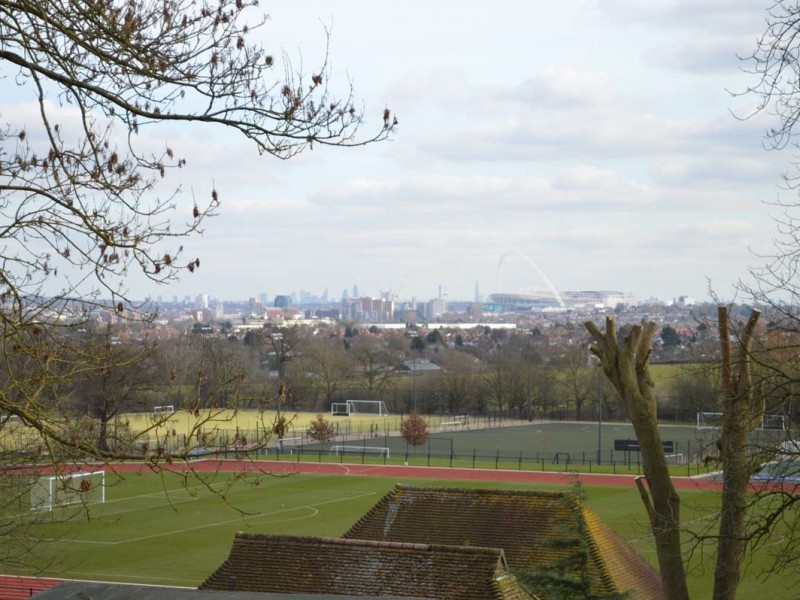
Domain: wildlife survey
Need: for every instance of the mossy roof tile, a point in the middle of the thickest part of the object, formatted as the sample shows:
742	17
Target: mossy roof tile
528	525
269	563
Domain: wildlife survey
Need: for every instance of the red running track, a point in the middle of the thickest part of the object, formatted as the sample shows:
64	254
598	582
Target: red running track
399	471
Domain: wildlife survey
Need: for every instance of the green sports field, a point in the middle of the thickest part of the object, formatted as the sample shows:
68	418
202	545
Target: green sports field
159	529
152	529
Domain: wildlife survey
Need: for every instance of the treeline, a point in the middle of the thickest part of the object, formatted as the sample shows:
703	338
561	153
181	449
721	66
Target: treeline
517	373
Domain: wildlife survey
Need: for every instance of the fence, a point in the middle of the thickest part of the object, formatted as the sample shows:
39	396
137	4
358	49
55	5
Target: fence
486	441
399	452
362	427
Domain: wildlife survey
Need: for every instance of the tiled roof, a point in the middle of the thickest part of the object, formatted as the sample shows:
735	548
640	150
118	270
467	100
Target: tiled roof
528	525
626	568
270	563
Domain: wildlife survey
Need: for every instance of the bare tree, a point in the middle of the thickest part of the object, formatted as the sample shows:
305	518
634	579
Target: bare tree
85	202
326	365
626	365
456	381
578	379
497	381
776	71
114	376
742	413
374	363
81	204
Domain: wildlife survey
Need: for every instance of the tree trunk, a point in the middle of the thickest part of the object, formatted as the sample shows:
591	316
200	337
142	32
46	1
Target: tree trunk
627	367
102	441
740	415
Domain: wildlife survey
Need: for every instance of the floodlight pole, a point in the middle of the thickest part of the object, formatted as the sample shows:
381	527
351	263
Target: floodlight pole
599	414
414	335
530	399
414	383
277	344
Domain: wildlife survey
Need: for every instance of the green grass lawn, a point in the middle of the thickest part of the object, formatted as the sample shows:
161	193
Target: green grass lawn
154	530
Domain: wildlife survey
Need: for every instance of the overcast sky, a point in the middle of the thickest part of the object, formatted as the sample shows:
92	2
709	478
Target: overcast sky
592	138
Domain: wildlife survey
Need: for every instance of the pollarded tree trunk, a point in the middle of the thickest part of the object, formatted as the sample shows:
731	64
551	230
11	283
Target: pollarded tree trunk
741	414
627	367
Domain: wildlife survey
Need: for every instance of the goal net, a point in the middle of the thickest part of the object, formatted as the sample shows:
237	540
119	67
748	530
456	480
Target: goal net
774	422
452	426
709	420
360	407
339	450
713	420
49	492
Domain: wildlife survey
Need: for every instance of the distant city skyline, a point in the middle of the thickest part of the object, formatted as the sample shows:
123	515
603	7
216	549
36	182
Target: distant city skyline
304	295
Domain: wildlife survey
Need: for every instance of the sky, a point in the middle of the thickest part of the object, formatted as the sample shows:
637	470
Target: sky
594	144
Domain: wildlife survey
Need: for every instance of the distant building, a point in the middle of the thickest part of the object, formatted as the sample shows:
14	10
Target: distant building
367	309
435	308
475	311
546	300
283	301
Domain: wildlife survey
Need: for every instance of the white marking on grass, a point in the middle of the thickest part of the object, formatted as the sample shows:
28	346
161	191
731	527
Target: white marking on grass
105	577
160	494
257	517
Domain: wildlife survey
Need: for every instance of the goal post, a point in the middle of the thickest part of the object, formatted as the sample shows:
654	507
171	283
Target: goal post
54	491
339	409
367	407
773	422
340	450
359	407
709	420
451	426
713	420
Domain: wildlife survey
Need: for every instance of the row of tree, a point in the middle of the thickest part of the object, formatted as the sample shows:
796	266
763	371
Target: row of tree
107	371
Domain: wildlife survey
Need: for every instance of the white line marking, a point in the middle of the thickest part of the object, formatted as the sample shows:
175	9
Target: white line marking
258	517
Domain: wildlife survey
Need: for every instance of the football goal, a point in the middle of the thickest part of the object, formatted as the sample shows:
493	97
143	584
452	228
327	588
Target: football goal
713	420
359	407
675	459
290	442
774	422
709	420
451	426
339	450
49	492
162	410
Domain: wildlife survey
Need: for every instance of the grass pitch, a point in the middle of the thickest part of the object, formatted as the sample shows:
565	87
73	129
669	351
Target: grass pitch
155	530
158	529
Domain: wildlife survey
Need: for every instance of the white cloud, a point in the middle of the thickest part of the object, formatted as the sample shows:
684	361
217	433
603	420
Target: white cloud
595	137
565	88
